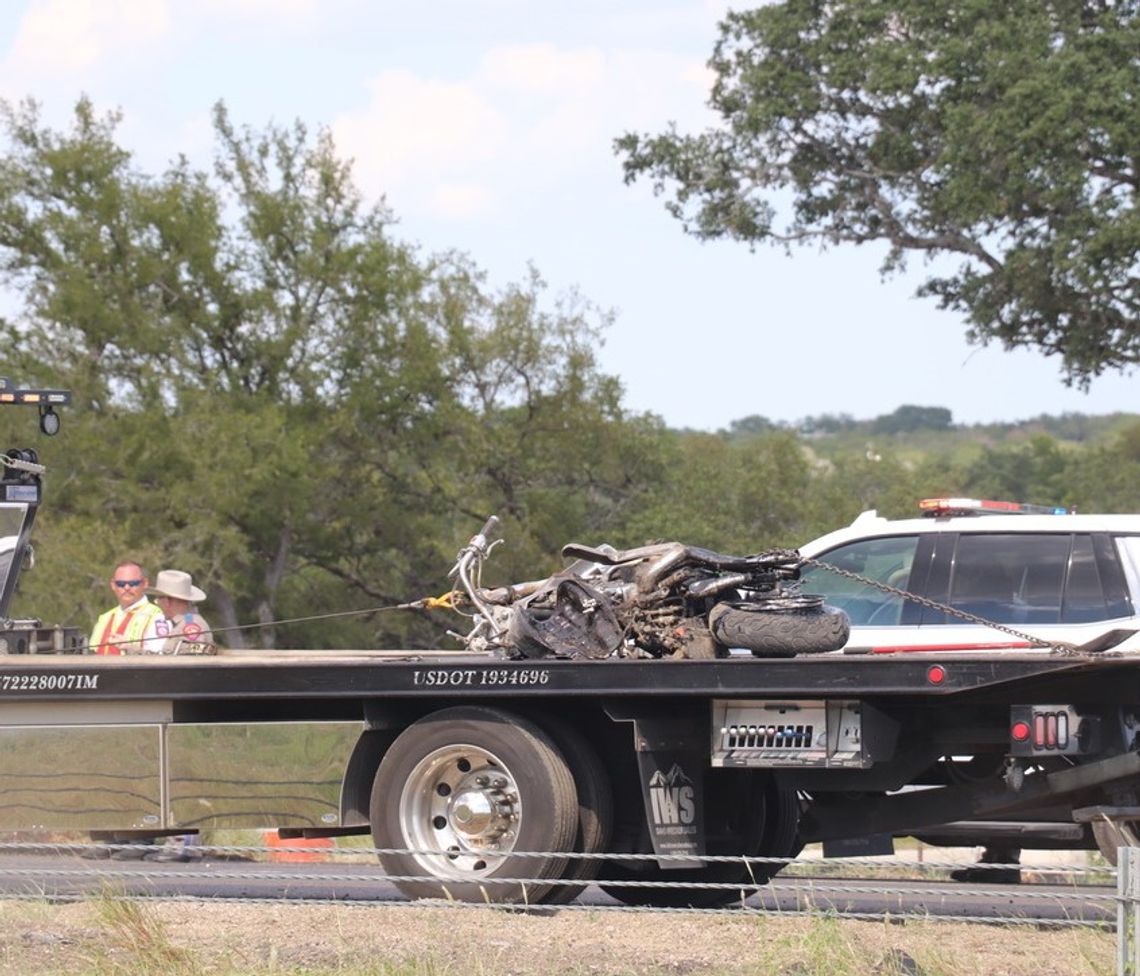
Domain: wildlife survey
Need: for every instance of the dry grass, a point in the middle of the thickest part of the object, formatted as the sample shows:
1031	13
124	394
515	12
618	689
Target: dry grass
108	937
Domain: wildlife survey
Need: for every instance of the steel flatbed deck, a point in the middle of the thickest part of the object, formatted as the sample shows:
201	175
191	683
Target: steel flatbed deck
402	674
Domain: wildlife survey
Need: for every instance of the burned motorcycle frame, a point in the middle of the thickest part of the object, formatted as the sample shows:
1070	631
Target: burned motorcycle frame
662	600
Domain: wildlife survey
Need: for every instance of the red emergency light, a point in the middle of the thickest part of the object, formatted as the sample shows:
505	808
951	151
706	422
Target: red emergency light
985	506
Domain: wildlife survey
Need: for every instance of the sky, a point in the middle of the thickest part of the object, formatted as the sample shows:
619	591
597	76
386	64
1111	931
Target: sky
487	127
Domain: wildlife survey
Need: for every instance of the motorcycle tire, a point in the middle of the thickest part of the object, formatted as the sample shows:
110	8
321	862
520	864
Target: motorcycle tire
770	632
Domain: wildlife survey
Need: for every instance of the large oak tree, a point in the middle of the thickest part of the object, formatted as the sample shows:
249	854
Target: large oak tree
1002	136
278	395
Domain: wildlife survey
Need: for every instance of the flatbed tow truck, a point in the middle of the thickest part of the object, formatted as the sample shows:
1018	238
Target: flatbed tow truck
482	778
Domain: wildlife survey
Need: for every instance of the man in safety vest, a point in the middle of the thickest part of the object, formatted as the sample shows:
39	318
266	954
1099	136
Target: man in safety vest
125	628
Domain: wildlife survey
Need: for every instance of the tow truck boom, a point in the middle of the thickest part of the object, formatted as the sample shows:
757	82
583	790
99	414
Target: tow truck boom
21	491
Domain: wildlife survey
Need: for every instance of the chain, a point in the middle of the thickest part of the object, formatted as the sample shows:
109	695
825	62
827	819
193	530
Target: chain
935	605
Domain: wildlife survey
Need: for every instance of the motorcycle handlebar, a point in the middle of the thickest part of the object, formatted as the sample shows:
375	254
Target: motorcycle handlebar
477	548
487	534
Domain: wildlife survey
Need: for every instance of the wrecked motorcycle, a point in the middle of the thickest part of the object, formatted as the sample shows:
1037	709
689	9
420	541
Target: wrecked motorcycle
662	600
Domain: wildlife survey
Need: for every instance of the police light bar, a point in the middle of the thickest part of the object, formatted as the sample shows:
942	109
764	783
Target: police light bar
982	506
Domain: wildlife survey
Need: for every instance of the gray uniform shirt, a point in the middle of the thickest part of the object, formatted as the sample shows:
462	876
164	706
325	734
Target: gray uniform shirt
186	633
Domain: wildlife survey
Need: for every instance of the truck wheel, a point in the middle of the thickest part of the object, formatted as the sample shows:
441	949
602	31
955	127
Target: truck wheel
1111	834
779	633
595	809
746	814
461	789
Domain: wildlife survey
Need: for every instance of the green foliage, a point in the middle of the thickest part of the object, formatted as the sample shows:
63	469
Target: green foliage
859	482
276	395
730	494
909	418
136	942
1001	136
753	424
1107	477
1036	473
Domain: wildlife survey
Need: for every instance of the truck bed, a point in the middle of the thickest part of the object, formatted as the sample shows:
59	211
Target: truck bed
313	674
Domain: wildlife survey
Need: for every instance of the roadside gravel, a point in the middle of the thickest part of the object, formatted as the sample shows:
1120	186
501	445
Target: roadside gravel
109	938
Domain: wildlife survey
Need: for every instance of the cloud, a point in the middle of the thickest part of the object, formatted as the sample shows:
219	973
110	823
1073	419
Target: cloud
59	45
462	201
542	70
70	37
261	12
417	131
526	118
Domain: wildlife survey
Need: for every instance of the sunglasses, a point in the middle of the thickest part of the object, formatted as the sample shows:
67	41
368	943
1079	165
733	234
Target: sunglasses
122	584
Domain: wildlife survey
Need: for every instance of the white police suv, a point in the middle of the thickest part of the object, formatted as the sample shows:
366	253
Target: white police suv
1045	574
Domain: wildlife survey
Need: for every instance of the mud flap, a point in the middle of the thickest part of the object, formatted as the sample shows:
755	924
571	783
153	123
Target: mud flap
671	756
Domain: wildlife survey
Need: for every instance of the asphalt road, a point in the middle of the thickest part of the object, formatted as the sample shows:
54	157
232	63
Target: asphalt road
66	877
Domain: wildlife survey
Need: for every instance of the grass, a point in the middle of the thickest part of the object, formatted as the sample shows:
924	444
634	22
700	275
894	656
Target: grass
136	942
108	936
828	947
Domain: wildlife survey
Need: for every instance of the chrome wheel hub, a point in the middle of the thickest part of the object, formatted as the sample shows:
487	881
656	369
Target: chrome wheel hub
460	812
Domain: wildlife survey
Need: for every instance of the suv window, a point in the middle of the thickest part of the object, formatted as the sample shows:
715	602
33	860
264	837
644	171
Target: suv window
887	560
1010	579
1025	578
1084	597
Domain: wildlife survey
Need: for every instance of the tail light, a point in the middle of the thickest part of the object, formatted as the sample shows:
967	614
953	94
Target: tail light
1051	730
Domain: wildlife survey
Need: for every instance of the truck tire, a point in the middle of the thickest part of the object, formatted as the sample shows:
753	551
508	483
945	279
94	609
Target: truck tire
746	814
461	789
770	632
595	809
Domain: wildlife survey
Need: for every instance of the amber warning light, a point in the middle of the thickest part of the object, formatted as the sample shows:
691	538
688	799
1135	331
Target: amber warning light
984	506
45	400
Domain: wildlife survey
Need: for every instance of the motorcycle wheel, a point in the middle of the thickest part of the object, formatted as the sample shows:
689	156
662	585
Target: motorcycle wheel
779	633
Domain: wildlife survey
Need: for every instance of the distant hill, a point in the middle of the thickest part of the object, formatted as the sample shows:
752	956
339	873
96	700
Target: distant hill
930	431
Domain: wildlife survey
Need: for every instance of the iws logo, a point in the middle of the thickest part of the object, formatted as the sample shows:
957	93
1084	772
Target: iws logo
672	797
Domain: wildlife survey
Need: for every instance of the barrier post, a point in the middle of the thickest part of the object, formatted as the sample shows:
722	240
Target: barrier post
1127	911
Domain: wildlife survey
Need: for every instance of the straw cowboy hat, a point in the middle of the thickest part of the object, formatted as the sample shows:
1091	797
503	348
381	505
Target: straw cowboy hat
175	583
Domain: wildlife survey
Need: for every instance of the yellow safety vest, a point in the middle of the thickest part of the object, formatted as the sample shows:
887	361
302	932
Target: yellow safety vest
115	636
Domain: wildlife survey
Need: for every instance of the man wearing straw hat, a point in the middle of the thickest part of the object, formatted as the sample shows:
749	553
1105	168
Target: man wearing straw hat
184	630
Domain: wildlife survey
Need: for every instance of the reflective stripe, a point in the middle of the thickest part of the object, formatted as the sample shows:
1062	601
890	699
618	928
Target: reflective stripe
132	626
992	646
109	648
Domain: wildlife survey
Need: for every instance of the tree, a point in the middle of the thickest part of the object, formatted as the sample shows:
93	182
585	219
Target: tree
1001	135
909	417
1036	473
752	424
1104	478
826	423
856	482
276	395
208	352
732	494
